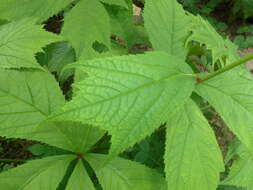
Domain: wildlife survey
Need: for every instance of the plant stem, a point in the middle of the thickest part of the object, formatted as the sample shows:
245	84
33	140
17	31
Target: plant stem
228	67
11	160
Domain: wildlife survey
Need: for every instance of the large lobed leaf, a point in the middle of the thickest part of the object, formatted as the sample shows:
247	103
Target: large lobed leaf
20	40
167	25
231	94
130	96
39	9
26	99
85	24
193	160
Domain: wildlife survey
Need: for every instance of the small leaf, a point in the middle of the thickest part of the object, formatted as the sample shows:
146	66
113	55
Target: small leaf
56	56
85	24
19	41
231	94
80	179
204	33
124	174
193	159
167	26
43	174
130	96
26	99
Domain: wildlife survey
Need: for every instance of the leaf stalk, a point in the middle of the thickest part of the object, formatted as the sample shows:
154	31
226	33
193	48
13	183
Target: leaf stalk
227	67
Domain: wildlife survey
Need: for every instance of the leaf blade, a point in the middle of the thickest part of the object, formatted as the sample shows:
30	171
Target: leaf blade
112	97
235	107
38	174
20	41
192	157
25	102
170	18
124	174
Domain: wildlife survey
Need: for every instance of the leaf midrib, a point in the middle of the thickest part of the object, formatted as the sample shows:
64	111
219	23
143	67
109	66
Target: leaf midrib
120	95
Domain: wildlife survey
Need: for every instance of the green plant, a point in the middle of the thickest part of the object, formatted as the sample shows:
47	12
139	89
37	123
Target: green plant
126	97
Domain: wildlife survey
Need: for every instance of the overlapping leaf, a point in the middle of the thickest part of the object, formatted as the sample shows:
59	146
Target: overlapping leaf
40	174
167	26
26	99
85	24
80	179
56	56
193	159
39	9
130	96
204	33
47	173
125	175
20	40
231	94
70	136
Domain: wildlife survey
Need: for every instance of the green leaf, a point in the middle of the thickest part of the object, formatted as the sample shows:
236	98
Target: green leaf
167	26
39	9
113	95
241	172
70	136
193	159
80	179
56	56
43	174
85	24
123	26
19	41
26	99
231	94
121	3
124	174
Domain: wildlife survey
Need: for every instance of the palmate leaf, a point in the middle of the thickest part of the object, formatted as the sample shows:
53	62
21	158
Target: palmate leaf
231	94
39	9
20	40
85	24
47	173
112	96
26	99
124	174
43	174
167	26
193	160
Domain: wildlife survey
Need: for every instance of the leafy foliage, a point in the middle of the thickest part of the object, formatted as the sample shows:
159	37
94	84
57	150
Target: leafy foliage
41	10
114	102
